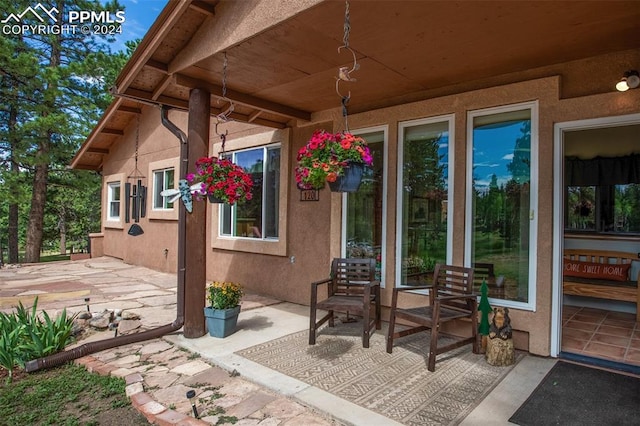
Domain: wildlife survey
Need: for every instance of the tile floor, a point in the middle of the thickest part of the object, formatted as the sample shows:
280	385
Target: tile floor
598	333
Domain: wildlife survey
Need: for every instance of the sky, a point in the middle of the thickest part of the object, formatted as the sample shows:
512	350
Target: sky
139	16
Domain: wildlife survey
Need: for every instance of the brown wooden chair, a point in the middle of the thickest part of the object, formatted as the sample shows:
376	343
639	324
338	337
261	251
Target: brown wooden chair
351	288
451	297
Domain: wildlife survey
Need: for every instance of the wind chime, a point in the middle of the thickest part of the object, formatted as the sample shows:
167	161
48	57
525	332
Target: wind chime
135	193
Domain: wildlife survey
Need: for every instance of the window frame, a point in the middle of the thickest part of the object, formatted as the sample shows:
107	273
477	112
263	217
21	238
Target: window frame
450	120
109	182
156	195
254	245
345	197
533	107
265	150
163	214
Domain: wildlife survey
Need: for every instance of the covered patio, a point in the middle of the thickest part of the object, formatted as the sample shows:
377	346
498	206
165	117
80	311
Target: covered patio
164	371
267	72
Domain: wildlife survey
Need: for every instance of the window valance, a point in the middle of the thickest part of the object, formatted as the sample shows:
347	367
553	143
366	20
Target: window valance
602	171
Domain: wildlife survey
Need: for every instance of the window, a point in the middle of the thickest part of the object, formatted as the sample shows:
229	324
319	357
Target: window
502	198
603	208
363	222
113	201
162	179
425	179
257	218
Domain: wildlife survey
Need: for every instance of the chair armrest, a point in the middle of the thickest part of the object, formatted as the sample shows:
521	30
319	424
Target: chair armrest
461	296
412	288
318	283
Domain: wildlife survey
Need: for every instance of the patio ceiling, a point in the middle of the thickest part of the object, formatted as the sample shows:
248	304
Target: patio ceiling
407	51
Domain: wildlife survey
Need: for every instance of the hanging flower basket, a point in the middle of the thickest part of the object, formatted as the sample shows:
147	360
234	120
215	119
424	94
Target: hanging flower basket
328	157
221	180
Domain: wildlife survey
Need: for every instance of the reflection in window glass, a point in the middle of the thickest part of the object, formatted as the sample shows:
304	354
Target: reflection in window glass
425	183
581	212
603	208
501	199
364	207
258	217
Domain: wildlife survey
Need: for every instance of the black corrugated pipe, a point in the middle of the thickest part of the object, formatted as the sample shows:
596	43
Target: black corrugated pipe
101	345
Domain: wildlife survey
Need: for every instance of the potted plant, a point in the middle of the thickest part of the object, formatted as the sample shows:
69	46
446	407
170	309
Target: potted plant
224	306
221	180
334	158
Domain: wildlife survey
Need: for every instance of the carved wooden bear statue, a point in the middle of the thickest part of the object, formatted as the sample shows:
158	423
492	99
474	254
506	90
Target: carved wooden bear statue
500	324
500	350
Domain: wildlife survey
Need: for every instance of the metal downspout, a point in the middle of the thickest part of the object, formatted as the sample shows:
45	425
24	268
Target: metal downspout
92	347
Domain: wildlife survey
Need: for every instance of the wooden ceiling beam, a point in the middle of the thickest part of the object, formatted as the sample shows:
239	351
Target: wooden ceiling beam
254	115
166	81
246	18
157	65
204	7
110	131
243	98
87	166
132	110
145	96
97	150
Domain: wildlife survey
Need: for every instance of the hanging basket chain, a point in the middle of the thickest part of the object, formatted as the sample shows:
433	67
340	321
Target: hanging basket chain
347	26
223	117
344	72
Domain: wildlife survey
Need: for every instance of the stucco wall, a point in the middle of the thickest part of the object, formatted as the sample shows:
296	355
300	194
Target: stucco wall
313	228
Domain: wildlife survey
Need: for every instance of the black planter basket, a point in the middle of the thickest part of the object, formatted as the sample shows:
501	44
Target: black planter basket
350	180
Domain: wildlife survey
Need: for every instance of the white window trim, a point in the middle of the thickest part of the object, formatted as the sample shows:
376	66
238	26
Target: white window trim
533	214
383	252
109	221
450	120
276	247
163	214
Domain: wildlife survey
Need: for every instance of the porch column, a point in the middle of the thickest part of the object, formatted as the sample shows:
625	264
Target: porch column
196	222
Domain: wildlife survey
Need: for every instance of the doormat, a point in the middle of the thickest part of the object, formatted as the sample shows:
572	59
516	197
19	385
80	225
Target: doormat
573	394
395	385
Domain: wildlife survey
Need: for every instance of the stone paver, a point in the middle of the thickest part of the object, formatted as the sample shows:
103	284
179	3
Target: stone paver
157	373
191	368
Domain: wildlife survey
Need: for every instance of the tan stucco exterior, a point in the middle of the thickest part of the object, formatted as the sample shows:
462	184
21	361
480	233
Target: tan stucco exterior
311	231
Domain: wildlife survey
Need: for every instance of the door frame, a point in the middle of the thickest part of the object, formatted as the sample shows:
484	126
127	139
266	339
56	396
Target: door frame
558	211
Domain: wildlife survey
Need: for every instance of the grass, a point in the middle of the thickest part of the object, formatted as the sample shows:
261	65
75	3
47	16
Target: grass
67	395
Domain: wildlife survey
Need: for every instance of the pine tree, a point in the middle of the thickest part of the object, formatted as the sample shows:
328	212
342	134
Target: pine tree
58	87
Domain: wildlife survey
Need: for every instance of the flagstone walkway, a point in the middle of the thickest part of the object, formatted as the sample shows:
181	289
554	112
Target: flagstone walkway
158	372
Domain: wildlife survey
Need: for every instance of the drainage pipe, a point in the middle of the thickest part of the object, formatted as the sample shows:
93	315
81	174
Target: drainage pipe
101	345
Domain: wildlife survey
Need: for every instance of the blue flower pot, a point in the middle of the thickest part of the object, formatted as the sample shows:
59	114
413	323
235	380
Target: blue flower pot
221	322
350	180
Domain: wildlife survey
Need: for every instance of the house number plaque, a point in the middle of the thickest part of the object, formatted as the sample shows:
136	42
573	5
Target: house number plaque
309	195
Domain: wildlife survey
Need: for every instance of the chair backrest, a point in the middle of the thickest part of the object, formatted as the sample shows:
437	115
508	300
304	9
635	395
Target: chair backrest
449	280
347	273
482	271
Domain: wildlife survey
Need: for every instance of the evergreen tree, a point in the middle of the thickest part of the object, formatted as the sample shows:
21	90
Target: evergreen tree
54	88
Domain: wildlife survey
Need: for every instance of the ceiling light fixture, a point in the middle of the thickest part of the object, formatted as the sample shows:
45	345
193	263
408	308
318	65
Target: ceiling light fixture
630	80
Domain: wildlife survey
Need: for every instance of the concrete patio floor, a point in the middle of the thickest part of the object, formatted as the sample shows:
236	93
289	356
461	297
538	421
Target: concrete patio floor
159	371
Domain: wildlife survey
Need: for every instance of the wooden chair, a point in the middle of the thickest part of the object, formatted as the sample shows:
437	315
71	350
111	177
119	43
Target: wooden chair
451	297
351	288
